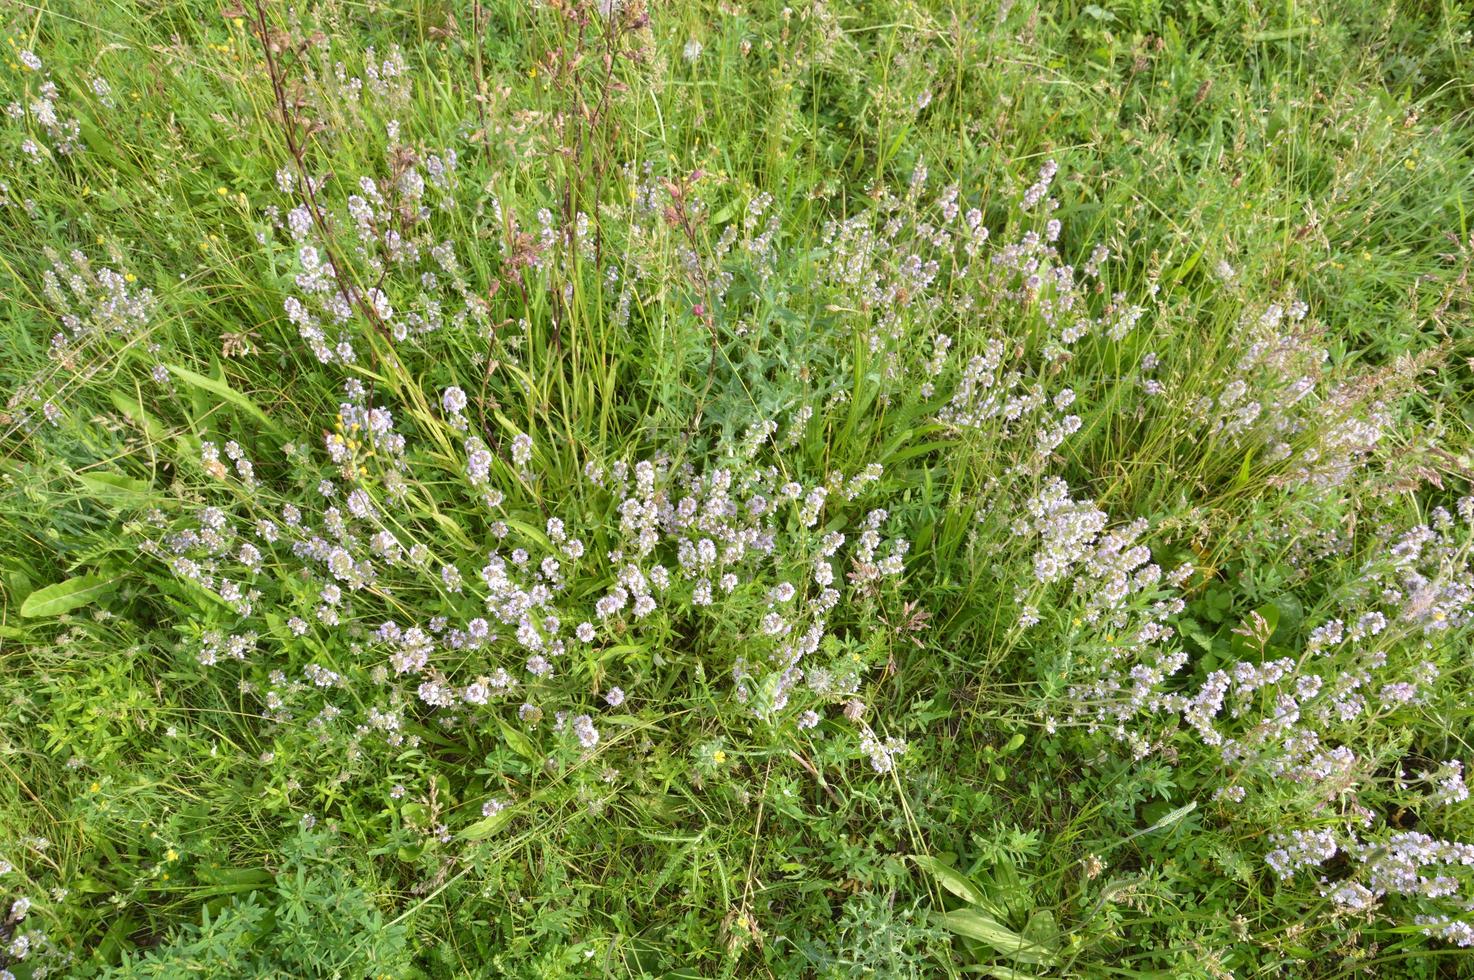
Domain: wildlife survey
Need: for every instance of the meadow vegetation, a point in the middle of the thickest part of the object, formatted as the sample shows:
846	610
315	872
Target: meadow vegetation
722	489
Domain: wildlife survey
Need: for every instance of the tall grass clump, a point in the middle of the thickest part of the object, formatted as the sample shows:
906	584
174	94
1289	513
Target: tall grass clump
593	488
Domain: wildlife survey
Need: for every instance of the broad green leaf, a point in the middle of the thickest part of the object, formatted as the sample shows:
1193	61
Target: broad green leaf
452	529
136	413
1000	972
1187	266
225	391
518	742
484	828
253	877
112	483
115	487
62	597
1043	930
976	925
950	878
1283	34
1245	469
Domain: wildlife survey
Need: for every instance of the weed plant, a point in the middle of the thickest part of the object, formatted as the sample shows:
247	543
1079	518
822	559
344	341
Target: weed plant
595	488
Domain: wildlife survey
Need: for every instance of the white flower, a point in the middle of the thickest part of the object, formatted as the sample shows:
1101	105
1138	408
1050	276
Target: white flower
588	735
522	449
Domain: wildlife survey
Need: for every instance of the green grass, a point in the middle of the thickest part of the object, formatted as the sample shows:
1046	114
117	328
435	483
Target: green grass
664	230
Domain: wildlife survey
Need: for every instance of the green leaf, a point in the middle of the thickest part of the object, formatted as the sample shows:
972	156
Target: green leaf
984	928
1242	480
115	487
1283	34
484	828
225	391
950	878
1181	271
62	597
135	412
1043	930
253	877
518	742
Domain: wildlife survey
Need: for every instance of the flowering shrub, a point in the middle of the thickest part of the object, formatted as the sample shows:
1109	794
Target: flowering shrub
546	519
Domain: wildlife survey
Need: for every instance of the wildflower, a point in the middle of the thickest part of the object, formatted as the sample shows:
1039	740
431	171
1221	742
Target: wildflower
588	735
882	753
521	450
1040	188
